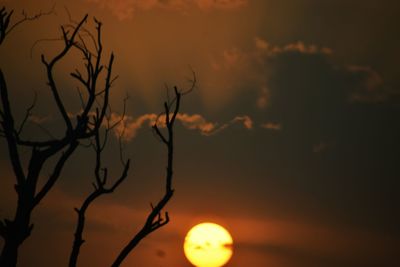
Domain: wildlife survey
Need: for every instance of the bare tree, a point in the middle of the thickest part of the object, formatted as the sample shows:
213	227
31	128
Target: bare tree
86	126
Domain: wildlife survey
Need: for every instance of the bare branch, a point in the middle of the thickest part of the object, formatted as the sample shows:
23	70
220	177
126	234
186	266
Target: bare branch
154	219
107	88
55	173
30	18
5	17
81	97
28	113
73	25
193	82
77	75
99	190
42	40
4	23
69	41
46	131
168	105
178	100
158	132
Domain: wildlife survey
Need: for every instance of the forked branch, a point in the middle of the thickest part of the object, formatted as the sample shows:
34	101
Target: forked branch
155	219
101	177
5	17
69	42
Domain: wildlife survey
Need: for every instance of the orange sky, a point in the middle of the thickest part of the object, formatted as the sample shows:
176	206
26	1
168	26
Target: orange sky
290	139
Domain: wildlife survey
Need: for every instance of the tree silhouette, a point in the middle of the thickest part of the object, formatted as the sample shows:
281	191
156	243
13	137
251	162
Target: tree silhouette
87	126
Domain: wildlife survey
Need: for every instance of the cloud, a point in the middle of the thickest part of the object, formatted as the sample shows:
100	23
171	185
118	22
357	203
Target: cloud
246	120
263	50
197	122
371	87
272	126
253	67
128	126
300	47
257	67
125	9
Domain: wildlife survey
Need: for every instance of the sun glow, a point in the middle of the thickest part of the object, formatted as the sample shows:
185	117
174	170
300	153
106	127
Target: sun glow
208	245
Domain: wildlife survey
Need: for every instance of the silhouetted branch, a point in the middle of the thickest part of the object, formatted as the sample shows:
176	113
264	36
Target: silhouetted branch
158	132
155	220
26	17
55	173
46	131
101	175
4	23
90	82
193	82
69	42
82	130
168	105
28	113
5	17
99	191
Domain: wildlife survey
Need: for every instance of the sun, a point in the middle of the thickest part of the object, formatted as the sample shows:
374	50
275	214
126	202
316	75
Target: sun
208	245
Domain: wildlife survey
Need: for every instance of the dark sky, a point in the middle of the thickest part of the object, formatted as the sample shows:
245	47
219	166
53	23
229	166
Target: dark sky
290	140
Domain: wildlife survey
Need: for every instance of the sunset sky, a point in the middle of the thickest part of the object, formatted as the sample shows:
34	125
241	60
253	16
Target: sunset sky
290	139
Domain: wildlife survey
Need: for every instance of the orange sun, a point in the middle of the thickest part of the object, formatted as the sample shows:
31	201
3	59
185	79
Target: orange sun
208	245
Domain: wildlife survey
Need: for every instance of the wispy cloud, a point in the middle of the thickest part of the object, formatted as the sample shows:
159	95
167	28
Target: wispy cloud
272	126
299	47
129	126
125	9
197	122
246	120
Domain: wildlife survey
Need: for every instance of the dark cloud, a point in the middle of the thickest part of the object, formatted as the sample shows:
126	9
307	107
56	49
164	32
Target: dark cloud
310	96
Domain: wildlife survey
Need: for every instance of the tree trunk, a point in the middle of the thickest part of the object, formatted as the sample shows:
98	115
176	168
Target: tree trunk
16	232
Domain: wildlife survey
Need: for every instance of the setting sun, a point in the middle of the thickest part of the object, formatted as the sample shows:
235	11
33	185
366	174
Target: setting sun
208	245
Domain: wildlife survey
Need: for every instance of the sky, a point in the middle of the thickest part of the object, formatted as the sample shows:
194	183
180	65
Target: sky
290	139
